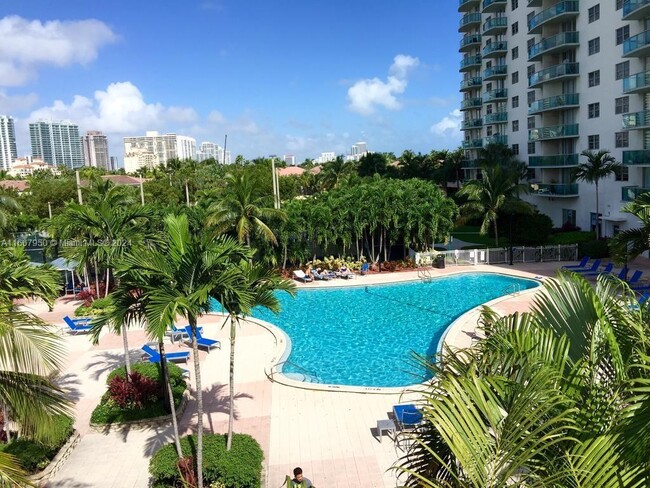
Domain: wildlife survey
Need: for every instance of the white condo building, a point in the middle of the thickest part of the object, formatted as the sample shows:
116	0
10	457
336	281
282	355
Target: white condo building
56	143
8	152
209	150
95	149
326	157
154	149
290	159
552	78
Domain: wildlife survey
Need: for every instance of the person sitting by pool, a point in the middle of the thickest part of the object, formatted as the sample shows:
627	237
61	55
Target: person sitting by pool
346	273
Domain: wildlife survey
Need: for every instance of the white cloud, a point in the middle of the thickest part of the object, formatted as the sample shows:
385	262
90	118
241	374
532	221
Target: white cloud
16	103
365	95
216	117
449	126
31	44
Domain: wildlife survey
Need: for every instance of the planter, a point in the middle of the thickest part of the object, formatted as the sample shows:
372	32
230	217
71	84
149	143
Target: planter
41	478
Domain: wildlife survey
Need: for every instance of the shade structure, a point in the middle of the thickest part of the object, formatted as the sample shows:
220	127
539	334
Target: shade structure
63	264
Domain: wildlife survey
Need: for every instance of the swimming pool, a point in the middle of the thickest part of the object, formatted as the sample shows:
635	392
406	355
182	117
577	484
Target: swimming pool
366	335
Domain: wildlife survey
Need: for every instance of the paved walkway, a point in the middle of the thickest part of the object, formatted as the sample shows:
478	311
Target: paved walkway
330	434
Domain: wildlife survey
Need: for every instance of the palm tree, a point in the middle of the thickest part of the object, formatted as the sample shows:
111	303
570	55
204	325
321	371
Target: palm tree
334	171
599	165
630	243
244	210
256	287
6	203
488	195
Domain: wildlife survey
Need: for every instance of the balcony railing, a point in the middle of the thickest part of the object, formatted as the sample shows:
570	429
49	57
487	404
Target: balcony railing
496	118
638	120
554	72
496	139
629	193
494	95
534	3
471	163
468	21
498	71
469	62
551	44
553	132
558	102
471	124
465	5
636	9
469	83
558	12
555	189
494	5
470	40
470	103
636	158
637	46
637	83
555	161
495	25
495	49
473	144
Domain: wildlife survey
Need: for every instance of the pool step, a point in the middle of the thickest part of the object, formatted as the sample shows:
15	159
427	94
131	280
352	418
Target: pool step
304	377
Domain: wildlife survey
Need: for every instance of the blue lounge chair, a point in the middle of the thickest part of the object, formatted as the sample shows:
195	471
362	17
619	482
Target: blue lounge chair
608	269
202	341
582	265
622	274
407	416
181	333
364	269
594	267
78	326
635	277
154	356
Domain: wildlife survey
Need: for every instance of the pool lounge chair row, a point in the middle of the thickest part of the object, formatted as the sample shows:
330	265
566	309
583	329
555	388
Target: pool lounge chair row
594	270
300	275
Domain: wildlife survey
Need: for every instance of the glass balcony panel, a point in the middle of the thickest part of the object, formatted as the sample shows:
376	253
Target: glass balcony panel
496	118
553	73
637	46
469	62
471	124
495	139
637	83
473	144
557	102
498	71
555	161
637	158
629	193
470	103
552	44
638	120
636	9
469	83
466	5
494	5
471	163
553	132
470	41
469	21
555	189
496	25
558	12
534	3
495	49
494	95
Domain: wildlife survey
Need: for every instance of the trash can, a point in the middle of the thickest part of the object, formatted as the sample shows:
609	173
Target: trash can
440	261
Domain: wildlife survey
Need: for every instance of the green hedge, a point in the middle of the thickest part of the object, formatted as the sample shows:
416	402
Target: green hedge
96	307
241	467
593	249
34	456
107	412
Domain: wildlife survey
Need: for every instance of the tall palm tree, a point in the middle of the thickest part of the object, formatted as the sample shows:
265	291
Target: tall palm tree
334	171
256	287
244	210
599	165
7	203
630	243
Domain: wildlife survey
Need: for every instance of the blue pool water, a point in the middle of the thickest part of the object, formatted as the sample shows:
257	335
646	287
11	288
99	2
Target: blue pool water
366	336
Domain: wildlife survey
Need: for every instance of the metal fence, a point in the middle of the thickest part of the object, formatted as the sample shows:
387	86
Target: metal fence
500	255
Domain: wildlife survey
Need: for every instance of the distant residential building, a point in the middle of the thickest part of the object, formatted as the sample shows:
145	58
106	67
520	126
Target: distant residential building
297	171
57	143
326	157
209	150
8	152
357	151
17	185
95	149
154	149
24	167
290	159
114	163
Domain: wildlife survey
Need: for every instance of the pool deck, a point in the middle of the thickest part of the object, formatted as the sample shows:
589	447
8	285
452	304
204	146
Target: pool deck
330	434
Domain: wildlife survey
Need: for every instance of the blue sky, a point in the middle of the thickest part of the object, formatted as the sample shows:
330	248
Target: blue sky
279	77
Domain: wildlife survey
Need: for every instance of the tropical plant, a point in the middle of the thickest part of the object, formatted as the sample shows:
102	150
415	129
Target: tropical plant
599	165
7	203
630	243
334	171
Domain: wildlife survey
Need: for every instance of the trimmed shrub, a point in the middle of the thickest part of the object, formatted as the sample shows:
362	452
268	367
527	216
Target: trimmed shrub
241	467
136	392
593	249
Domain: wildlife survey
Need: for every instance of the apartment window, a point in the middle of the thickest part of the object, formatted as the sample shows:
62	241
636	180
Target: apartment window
594	78
530	43
531	148
489	130
622	70
622	105
530	71
515	4
515	77
515	149
515	28
593	142
622	173
568	216
622	33
594	13
515	125
488	109
593	109
594	46
515	52
619	4
531	122
531	97
622	139
515	102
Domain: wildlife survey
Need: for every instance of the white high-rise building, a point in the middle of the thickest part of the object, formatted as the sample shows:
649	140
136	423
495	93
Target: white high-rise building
209	150
154	149
326	157
56	143
8	152
552	78
95	148
290	159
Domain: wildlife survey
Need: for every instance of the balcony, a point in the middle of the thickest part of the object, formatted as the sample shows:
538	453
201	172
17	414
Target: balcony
495	49
629	193
471	163
469	21
470	103
553	132
534	3
495	95
560	12
636	9
467	5
473	144
557	72
637	46
470	83
638	83
470	41
470	62
553	44
494	6
555	161
471	124
558	102
496	139
496	72
636	158
496	118
495	25
567	190
638	120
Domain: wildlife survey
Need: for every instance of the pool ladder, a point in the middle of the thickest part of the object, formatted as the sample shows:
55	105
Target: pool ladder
513	289
424	274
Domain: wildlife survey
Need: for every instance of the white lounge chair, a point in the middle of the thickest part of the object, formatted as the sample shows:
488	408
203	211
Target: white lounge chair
299	274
